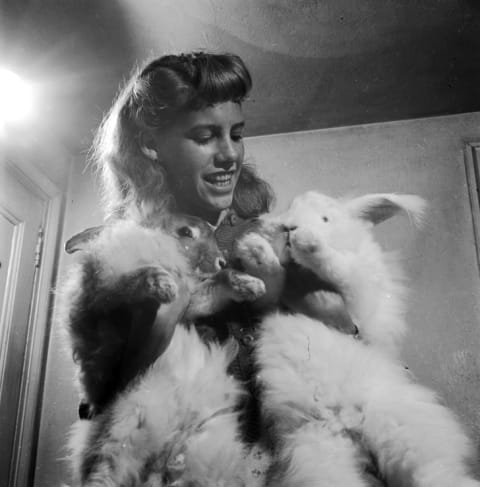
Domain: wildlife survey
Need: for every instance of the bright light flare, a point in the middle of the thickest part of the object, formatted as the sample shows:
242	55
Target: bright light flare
16	98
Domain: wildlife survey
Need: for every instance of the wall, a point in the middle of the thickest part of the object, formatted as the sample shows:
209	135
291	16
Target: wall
419	156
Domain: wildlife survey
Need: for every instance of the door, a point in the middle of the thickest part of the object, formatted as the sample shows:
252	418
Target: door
22	212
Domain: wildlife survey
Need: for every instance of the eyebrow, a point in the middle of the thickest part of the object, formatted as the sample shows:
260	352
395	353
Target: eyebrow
239	125
214	126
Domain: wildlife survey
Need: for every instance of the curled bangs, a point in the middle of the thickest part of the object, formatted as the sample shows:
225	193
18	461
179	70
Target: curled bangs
194	81
221	79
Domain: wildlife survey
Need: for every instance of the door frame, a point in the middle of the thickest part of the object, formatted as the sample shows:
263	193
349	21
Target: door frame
472	171
39	322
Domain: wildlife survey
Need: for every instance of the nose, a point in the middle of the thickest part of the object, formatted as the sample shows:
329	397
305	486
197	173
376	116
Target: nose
220	263
227	154
288	228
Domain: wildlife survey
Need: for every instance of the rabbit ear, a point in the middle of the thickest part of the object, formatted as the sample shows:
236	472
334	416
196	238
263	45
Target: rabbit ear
77	242
377	208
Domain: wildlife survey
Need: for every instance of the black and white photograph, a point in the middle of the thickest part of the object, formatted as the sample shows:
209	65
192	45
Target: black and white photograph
239	243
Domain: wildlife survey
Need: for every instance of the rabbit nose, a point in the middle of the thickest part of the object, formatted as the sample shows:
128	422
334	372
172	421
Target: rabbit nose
288	228
220	263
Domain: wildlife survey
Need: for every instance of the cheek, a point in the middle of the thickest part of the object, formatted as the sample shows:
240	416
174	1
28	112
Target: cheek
192	160
186	162
303	217
346	237
241	154
184	181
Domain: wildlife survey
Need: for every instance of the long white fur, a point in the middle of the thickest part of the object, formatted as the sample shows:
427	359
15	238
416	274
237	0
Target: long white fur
331	397
369	279
126	246
182	413
178	423
319	385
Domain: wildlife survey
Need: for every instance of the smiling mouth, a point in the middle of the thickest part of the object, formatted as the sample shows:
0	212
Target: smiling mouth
220	180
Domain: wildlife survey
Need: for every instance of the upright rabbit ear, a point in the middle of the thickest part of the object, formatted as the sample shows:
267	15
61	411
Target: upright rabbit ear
379	207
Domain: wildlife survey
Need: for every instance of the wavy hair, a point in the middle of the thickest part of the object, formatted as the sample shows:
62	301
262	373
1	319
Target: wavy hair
148	101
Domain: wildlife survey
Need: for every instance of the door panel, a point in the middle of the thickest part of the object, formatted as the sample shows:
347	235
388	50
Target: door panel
21	216
7	229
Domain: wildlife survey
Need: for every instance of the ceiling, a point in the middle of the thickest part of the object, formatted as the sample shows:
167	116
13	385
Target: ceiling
315	63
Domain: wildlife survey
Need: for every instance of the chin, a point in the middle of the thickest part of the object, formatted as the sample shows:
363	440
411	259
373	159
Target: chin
221	203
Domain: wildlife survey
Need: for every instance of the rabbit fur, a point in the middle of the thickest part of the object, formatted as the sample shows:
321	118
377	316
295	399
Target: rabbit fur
340	407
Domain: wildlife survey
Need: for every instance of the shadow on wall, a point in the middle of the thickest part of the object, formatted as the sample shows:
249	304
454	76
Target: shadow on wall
74	53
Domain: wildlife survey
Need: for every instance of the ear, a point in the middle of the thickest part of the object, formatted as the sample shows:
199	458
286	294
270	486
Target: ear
147	145
379	207
78	241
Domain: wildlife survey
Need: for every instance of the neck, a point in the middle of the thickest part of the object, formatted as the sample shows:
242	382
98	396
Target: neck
210	216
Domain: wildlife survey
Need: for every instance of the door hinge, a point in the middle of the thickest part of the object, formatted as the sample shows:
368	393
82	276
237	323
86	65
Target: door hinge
39	248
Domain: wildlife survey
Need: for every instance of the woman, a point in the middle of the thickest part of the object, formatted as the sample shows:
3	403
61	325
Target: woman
174	138
173	142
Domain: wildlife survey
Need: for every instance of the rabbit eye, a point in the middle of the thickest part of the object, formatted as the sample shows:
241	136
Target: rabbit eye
185	232
325	219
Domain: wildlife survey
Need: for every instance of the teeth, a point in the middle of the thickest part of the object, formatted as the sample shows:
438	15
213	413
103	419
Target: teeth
220	179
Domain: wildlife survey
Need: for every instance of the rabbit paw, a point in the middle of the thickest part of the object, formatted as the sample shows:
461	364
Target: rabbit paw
245	287
255	251
157	283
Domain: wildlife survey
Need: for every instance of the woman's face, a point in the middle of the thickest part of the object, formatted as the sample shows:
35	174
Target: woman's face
202	152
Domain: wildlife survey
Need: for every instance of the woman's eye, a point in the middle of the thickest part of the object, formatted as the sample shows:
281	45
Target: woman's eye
185	232
202	137
237	136
203	140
